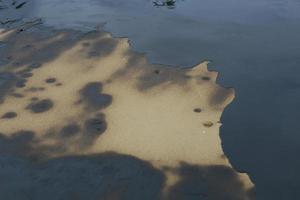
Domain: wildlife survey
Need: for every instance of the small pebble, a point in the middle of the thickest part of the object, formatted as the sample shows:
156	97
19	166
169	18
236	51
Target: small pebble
208	124
197	110
50	80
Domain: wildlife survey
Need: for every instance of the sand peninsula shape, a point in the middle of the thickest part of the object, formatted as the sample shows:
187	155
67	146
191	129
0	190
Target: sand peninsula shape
123	107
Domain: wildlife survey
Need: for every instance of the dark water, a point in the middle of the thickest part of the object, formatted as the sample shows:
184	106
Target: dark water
255	45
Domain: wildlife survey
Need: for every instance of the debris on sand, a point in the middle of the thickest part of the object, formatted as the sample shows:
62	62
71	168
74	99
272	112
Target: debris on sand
208	124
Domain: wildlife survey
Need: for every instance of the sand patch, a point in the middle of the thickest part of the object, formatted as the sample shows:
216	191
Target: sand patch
93	95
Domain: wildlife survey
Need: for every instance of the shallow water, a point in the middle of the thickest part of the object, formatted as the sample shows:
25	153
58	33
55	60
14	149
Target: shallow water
255	45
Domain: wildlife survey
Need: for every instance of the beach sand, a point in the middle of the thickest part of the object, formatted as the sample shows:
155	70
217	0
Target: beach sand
83	116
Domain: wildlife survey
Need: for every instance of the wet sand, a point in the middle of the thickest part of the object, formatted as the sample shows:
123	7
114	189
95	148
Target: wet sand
83	115
253	45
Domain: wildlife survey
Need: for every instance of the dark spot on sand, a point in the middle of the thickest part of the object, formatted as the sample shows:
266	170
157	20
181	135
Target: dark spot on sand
108	81
186	76
206	78
40	106
24	71
35	65
26	75
86	44
93	125
92	96
9	115
50	80
93	128
102	48
21	83
17	95
34	99
197	110
32	89
69	130
35	89
58	84
208	124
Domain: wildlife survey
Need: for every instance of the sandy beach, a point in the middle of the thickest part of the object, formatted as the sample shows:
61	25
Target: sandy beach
85	117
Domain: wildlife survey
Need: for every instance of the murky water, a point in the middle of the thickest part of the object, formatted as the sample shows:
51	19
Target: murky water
255	45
